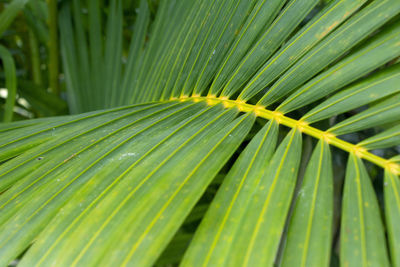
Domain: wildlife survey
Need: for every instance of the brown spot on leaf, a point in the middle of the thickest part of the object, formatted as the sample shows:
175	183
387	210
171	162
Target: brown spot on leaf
327	30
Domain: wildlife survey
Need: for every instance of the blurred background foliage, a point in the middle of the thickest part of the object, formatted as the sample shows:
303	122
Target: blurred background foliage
29	31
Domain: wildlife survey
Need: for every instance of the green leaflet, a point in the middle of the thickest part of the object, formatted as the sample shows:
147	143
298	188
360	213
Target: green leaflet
164	150
298	45
162	226
4	127
97	134
392	215
388	138
227	38
52	48
163	33
333	46
113	54
183	46
70	64
95	78
310	229
35	58
261	17
373	88
362	240
208	50
381	48
286	22
213	240
134	61
12	143
61	171
214	44
177	43
82	56
11	82
386	111
96	59
257	241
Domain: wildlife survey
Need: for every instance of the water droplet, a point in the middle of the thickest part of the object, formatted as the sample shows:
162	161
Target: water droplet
129	154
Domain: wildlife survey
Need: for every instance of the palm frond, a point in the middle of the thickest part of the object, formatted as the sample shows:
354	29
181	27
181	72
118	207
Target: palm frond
114	186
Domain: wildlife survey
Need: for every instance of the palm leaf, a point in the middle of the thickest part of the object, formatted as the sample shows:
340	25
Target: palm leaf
167	114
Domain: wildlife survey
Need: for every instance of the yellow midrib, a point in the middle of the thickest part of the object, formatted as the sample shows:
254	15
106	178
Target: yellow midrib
280	118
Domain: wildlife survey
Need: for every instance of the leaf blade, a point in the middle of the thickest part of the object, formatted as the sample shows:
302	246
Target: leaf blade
209	246
310	230
362	238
